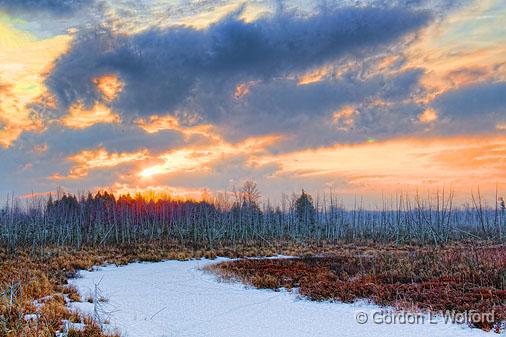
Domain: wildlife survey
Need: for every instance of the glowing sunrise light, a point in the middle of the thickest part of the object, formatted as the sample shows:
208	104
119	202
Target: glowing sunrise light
149	172
201	159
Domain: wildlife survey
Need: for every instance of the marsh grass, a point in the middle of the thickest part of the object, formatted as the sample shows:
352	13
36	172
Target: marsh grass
458	278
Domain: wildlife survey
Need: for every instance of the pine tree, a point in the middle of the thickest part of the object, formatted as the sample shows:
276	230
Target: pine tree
305	210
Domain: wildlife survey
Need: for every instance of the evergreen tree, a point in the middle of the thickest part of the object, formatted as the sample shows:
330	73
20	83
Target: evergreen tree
305	210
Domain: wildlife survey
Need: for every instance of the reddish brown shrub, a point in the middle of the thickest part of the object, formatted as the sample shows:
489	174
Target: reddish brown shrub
460	278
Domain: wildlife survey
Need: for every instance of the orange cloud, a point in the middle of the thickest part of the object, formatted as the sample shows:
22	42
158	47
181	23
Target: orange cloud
14	120
315	75
109	85
428	116
343	118
100	158
387	63
12	126
407	163
241	90
81	118
24	62
202	158
160	123
464	48
185	159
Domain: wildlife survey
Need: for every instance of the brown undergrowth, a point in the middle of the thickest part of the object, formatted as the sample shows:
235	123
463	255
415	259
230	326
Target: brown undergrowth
408	275
459	278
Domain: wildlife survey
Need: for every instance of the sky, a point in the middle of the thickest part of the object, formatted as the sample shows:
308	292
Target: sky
363	98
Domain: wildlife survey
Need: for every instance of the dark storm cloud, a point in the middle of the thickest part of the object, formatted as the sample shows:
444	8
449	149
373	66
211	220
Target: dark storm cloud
283	106
169	69
401	86
59	7
474	108
473	100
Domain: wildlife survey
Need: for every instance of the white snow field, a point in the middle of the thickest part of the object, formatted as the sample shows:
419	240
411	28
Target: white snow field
175	298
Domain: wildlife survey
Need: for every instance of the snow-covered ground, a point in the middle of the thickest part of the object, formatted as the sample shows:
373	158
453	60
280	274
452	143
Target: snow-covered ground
177	298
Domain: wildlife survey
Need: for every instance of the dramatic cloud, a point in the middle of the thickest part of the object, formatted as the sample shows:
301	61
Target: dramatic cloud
167	69
465	47
155	124
80	118
475	101
180	96
203	157
311	112
24	62
87	160
474	108
14	119
145	170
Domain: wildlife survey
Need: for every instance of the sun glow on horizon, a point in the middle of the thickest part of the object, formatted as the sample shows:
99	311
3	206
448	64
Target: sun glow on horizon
151	171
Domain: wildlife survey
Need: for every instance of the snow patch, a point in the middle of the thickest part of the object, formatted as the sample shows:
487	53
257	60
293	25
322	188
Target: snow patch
178	298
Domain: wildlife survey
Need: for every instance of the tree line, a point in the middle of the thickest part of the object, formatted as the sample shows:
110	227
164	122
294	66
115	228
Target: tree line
240	217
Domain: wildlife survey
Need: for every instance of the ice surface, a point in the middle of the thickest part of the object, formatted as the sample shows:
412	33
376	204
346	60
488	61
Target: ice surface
177	298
